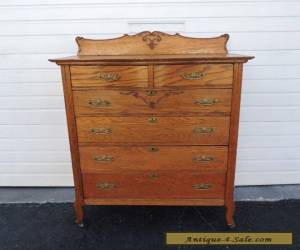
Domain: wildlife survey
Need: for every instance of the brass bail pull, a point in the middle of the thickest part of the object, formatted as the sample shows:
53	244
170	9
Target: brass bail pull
202	186
192	75
105	186
99	103
110	77
104	158
206	101
203	159
101	131
203	130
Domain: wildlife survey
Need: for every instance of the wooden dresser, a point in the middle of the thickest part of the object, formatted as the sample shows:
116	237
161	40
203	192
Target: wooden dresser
153	120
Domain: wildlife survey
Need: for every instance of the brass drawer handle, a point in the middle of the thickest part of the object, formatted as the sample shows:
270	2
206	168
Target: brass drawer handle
105	186
203	159
101	131
99	103
152	119
153	149
104	158
192	75
153	176
203	130
206	101
110	77
202	186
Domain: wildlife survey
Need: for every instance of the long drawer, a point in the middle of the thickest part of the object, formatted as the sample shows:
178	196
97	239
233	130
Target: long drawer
154	184
191	75
93	101
109	76
148	130
117	158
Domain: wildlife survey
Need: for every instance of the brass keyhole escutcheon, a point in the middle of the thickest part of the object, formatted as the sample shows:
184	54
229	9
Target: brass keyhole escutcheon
151	92
153	149
152	119
154	176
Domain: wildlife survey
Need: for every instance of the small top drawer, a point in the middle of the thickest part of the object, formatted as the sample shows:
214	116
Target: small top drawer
194	75
109	76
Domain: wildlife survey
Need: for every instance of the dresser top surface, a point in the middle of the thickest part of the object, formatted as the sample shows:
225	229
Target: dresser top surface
152	58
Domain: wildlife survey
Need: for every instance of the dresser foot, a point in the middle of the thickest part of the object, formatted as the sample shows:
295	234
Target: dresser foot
79	214
231	226
229	215
80	225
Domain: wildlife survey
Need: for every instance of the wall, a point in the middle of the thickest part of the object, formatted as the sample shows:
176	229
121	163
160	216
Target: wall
33	133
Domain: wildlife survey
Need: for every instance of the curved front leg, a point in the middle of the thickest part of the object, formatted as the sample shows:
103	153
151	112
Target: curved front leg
230	208
79	214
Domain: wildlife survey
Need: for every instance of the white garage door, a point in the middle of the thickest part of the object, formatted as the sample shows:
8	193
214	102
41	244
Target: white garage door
33	133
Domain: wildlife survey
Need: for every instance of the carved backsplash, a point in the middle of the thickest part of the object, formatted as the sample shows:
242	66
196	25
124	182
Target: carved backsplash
149	43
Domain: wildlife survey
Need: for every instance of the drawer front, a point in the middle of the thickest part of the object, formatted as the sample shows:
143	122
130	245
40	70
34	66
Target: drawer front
109	76
216	101
154	184
147	130
117	158
200	75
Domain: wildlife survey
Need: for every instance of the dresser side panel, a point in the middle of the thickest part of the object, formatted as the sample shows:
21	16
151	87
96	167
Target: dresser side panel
233	132
72	130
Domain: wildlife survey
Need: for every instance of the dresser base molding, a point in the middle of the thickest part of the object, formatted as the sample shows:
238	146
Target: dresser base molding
165	104
156	202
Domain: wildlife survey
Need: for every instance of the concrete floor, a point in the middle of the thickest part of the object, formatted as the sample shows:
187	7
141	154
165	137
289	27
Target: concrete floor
59	195
51	226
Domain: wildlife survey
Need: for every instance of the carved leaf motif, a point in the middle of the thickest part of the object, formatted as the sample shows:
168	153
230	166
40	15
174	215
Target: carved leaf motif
152	38
151	103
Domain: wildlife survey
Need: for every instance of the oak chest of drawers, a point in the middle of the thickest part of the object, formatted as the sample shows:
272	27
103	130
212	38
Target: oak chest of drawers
153	120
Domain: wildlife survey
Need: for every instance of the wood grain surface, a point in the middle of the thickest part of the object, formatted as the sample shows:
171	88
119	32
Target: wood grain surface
152	101
152	43
154	184
128	76
213	75
152	157
168	130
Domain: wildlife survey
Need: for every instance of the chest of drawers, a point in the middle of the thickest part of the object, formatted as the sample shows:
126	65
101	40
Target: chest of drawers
153	120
